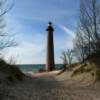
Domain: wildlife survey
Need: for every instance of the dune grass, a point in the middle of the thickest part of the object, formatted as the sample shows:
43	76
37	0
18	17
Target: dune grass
12	71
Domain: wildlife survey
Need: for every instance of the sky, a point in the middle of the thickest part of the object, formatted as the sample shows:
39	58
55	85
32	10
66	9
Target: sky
28	20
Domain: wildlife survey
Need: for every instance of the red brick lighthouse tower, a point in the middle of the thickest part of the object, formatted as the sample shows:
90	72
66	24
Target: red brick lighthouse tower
50	48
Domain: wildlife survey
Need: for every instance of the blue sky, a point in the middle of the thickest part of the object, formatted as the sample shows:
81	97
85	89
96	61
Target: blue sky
28	20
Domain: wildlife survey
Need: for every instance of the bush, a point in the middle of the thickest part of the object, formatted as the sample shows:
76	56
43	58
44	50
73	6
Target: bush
12	71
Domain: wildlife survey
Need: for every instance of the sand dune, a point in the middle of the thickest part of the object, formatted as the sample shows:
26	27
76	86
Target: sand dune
49	86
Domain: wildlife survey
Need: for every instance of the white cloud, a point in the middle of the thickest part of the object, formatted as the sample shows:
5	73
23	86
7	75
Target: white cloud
68	31
58	60
66	41
64	44
25	53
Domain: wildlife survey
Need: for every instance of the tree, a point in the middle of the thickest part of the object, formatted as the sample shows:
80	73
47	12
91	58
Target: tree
79	50
67	57
5	39
88	34
64	58
69	54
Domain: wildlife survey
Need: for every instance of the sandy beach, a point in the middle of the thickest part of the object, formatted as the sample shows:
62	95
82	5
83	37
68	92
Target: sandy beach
49	86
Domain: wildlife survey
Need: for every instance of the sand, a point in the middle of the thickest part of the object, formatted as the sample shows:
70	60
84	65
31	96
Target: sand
49	86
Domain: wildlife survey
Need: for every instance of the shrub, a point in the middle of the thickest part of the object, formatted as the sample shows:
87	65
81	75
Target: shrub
12	71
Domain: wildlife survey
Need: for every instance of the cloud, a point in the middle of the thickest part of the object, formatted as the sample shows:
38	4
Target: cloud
64	44
25	53
65	40
28	20
68	31
35	10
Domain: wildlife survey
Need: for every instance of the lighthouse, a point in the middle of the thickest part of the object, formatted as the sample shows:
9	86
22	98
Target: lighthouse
50	48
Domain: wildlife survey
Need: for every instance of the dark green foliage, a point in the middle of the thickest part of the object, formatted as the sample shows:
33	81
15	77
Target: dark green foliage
12	71
11	78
